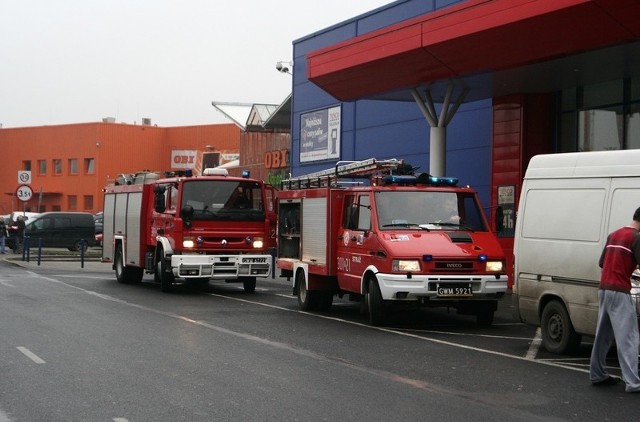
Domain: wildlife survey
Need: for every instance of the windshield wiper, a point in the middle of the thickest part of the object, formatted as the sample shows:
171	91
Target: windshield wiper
401	225
445	224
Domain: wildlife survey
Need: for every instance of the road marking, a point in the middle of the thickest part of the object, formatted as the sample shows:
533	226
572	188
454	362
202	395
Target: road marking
120	420
453	333
28	353
291	348
534	346
5	284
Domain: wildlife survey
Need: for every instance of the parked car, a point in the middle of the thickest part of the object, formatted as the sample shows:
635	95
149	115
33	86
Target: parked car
98	219
62	230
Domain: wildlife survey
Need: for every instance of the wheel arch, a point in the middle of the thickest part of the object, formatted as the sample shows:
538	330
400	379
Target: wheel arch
544	301
368	274
166	245
297	268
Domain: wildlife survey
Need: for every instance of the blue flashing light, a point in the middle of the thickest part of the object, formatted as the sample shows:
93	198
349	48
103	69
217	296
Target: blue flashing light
396	179
188	172
246	173
443	181
427	258
482	258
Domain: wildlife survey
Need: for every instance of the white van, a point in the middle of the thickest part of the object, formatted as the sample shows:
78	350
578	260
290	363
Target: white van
569	203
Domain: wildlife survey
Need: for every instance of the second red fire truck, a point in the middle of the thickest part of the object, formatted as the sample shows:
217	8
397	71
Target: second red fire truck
398	238
189	228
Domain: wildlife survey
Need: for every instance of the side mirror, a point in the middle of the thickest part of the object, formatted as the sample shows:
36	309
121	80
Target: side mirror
160	202
187	212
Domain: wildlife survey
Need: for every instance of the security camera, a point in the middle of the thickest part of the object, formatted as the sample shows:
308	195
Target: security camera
282	67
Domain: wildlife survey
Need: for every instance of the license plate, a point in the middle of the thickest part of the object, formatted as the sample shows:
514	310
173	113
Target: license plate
454	290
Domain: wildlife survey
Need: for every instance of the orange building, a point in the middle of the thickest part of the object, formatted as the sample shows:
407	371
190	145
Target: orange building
70	164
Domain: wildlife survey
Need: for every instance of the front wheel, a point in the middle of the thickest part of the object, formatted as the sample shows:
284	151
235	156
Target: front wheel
375	304
163	272
558	335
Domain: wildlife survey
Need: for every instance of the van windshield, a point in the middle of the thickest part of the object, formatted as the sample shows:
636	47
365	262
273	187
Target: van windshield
422	210
224	200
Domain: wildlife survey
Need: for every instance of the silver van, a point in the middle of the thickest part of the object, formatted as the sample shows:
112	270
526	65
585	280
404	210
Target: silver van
569	203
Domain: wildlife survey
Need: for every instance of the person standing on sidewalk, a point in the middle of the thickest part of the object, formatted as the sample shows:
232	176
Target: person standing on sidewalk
3	234
19	241
617	319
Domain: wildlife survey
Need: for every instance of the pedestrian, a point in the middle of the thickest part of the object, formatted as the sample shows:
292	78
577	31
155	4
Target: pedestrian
19	241
617	318
3	234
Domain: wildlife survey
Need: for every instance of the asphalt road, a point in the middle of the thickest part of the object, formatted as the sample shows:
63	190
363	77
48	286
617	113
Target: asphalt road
78	346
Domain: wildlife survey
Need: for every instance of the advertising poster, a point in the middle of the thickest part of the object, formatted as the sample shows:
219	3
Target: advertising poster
320	135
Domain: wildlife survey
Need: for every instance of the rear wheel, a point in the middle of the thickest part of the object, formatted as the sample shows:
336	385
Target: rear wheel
375	303
80	245
126	275
306	299
163	272
558	335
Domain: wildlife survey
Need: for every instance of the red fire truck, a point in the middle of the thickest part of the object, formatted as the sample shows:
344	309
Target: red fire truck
189	228
393	238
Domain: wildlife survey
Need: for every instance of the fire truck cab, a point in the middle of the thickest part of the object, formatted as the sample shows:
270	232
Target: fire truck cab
189	228
396	238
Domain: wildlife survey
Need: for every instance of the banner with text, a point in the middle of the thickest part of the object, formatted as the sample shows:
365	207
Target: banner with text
320	135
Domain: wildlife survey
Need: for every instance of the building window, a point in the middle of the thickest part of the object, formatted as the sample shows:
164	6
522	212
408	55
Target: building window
26	165
72	203
42	167
600	117
89	166
57	166
73	166
56	208
88	202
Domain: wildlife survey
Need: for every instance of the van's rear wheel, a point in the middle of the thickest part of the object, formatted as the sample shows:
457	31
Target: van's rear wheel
558	335
79	245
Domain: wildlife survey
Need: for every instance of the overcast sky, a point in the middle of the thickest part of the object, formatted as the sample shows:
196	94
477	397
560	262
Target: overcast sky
77	61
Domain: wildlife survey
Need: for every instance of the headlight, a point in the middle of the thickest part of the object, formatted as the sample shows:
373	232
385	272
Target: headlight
258	244
405	265
494	266
188	242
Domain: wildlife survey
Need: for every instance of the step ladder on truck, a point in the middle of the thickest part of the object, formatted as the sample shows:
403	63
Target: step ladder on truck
376	232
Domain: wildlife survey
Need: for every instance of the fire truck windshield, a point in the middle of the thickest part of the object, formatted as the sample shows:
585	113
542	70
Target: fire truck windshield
223	200
428	210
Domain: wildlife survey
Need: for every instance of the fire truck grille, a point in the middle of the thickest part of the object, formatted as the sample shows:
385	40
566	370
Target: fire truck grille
453	266
225	267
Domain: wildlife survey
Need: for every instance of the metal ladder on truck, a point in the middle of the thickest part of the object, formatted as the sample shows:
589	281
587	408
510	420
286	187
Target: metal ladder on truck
344	170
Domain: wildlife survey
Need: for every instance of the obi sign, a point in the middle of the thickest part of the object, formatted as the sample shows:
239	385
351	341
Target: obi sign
183	158
320	135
